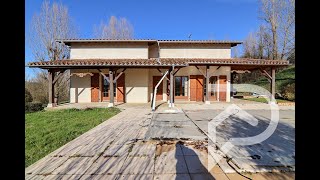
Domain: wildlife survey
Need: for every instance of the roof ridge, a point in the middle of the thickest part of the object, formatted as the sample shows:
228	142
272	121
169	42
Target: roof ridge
148	39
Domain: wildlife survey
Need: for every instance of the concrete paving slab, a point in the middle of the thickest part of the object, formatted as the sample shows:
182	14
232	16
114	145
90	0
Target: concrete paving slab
33	177
191	150
170	123
169	148
236	176
116	150
48	166
99	177
203	125
138	165
106	165
197	164
169	163
74	165
220	176
173	126
135	177
172	176
63	177
170	117
267	176
216	170
143	149
205	176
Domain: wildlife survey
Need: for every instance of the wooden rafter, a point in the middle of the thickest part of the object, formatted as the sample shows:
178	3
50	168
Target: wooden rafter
201	72
176	71
115	79
163	74
265	73
58	76
104	75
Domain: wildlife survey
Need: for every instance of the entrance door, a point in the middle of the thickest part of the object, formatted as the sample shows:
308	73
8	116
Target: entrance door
121	88
222	88
196	87
95	87
159	95
213	82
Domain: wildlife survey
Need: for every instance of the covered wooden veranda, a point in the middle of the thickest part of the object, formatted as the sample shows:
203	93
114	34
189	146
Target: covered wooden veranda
116	67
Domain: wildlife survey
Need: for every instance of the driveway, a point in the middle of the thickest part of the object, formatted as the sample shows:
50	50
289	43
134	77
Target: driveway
139	144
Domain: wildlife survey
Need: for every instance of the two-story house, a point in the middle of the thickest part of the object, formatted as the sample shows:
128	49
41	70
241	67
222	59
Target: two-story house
130	70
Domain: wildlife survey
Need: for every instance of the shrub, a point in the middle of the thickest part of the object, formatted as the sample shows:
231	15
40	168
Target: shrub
288	92
27	95
33	107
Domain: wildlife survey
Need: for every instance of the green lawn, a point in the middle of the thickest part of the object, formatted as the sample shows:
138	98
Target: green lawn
283	77
46	131
263	100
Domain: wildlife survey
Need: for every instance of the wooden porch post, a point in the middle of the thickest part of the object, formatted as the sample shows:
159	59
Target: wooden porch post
51	88
111	103
273	84
171	87
207	85
76	93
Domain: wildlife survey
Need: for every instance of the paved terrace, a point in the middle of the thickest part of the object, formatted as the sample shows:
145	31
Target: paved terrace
128	146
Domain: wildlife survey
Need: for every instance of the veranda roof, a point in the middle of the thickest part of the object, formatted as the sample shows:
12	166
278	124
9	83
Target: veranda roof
235	63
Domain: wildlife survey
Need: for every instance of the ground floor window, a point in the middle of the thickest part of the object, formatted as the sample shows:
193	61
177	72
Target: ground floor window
213	80
181	86
106	89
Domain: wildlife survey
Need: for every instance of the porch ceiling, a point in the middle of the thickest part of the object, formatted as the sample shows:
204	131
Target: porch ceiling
235	63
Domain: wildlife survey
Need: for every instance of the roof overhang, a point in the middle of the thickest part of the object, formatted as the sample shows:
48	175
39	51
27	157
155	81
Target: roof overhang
234	63
69	41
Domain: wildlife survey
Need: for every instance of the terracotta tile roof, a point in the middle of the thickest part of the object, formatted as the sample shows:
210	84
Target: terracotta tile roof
199	41
151	40
231	61
96	62
156	62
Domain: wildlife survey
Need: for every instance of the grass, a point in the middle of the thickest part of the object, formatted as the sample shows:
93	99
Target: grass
263	100
46	131
283	77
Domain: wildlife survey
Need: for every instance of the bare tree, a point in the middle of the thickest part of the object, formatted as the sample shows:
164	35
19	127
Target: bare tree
287	28
270	14
279	18
249	46
51	23
116	29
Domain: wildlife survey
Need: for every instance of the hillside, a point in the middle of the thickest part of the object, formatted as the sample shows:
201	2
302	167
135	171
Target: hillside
285	81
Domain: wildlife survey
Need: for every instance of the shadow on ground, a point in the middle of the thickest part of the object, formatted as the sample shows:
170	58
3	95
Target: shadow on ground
197	169
276	151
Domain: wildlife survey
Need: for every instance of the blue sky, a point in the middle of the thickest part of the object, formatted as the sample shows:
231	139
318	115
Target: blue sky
165	19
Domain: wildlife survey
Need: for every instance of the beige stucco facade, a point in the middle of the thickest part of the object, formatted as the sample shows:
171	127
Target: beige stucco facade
109	51
136	83
139	82
214	71
84	87
195	51
143	50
